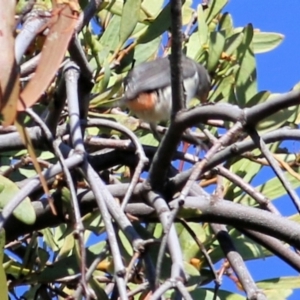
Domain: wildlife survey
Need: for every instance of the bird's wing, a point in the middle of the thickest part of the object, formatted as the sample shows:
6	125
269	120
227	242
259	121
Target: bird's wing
154	75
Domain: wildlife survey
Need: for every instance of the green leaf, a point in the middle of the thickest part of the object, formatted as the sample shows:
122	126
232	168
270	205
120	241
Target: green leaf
49	239
104	98
67	246
233	42
141	53
3	283
193	49
226	24
152	7
245	169
272	189
146	138
278	294
24	211
223	89
266	41
98	290
126	245
246	85
202	26
103	84
68	266
202	293
216	46
110	39
129	19
281	117
260	97
289	282
161	23
208	294
279	288
146	13
247	248
214	9
193	274
189	247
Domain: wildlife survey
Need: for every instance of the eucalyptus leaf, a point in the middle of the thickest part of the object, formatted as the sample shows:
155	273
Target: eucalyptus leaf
141	53
260	97
202	293
24	211
216	46
289	282
98	290
188	244
163	22
3	282
215	7
226	24
245	169
266	41
129	19
116	7
193	48
105	80
110	39
156	28
233	42
246	82
272	189
278	119
202	26
278	294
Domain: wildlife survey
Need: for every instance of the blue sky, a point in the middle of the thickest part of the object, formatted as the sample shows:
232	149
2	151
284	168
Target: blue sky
277	71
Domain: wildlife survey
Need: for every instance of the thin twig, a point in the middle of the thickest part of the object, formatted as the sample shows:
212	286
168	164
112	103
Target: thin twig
143	160
202	248
71	74
89	272
198	168
163	245
274	165
96	184
249	189
236	262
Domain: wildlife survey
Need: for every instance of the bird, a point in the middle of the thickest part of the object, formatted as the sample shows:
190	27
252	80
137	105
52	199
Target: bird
147	88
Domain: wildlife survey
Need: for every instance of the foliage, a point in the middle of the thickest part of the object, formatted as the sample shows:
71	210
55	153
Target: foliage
51	254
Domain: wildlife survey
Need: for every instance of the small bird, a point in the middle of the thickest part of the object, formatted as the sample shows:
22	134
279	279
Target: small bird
148	88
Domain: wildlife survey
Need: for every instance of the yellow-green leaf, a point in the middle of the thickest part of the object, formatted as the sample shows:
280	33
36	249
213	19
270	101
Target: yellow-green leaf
3	283
202	26
24	211
214	9
216	46
226	24
246	84
129	19
266	41
157	27
233	42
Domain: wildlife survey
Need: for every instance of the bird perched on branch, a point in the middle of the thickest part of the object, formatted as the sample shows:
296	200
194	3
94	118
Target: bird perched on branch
148	88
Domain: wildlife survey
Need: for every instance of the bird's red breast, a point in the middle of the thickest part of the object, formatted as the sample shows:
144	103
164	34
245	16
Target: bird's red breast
143	102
